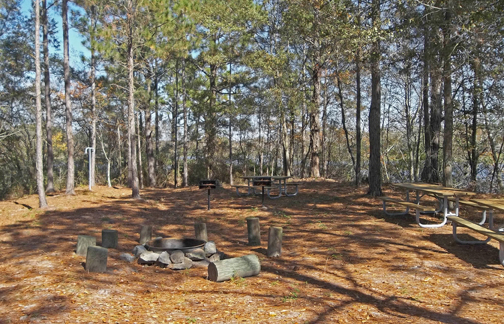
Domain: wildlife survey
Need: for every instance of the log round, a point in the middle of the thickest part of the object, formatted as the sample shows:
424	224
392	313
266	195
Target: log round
275	235
253	231
200	231
244	266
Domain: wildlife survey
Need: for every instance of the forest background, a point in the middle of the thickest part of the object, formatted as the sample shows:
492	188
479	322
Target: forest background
172	92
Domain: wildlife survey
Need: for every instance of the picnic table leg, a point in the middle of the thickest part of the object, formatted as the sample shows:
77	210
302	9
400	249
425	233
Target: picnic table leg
483	218
454	224
295	192
501	253
417	215
491	224
446	203
279	192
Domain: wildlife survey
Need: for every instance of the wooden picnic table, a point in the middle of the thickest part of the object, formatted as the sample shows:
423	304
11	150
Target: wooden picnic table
443	194
277	182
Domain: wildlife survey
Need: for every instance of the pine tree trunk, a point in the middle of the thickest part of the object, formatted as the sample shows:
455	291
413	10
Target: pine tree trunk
47	96
175	129
314	116
39	162
358	135
477	90
148	138
448	107
139	150
70	189
435	123
132	156
211	122
426	107
375	110
185	148
93	101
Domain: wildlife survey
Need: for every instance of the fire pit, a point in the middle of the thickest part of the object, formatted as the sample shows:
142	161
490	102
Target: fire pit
169	245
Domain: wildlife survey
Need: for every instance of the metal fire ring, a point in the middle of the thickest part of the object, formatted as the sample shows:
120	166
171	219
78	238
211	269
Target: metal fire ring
169	245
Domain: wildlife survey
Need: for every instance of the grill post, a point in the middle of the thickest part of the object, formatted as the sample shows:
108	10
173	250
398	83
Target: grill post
208	184
208	199
263	182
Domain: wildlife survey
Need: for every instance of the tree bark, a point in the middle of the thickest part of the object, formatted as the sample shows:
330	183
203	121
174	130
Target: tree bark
38	102
139	150
253	231
358	133
315	104
230	130
93	100
477	90
185	148
275	236
245	266
375	110
435	123
448	107
200	231
343	118
426	108
211	122
70	189
175	128
131	106
47	97
151	174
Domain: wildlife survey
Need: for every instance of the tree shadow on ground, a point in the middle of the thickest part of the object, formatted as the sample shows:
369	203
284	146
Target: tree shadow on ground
332	237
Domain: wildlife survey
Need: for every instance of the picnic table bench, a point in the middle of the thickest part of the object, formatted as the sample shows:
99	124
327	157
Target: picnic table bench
441	193
409	205
491	232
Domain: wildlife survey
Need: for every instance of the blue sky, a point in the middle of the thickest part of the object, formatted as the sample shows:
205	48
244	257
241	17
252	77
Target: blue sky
75	39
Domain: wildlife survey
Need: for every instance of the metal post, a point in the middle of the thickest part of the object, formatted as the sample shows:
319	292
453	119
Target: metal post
208	198
263	196
90	149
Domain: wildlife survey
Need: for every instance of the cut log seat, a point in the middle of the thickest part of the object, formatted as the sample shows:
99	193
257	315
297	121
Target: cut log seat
489	233
245	266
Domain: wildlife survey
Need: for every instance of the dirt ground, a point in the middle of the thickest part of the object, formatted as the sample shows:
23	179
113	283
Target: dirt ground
343	261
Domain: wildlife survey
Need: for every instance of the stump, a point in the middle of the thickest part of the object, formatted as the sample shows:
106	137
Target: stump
109	238
253	230
274	241
96	259
145	234
83	242
200	231
244	266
